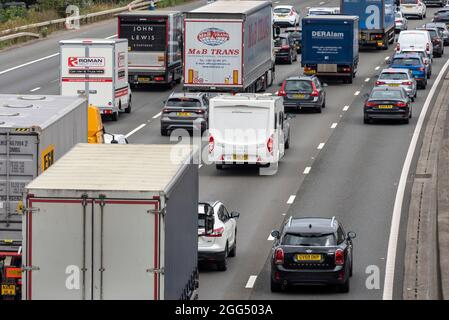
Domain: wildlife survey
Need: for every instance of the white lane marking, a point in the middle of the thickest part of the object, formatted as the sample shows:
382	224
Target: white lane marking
307	170
345	108
135	130
367	79
28	63
387	57
291	199
320	146
334	125
38	60
270	238
251	281
356	93
113	36
157	115
377	68
35	89
322	2
284	214
397	209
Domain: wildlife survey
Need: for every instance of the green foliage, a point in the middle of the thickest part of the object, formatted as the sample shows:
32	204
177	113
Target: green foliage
12	13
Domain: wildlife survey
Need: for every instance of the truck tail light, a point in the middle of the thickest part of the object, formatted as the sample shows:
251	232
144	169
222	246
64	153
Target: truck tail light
158	78
217	233
401	104
282	92
346	69
285	47
339	257
427	47
279	256
211	143
270	144
378	83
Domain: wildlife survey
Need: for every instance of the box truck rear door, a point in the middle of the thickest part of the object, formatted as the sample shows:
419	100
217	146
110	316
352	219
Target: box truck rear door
127	249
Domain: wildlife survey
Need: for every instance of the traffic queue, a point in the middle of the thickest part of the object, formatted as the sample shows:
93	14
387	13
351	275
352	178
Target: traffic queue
225	55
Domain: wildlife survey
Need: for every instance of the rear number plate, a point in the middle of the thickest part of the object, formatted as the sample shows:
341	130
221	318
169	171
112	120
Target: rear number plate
184	114
308	257
8	290
240	157
385	106
299	96
143	80
393	85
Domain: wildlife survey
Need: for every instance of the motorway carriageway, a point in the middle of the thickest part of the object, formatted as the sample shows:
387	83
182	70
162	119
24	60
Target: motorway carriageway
336	165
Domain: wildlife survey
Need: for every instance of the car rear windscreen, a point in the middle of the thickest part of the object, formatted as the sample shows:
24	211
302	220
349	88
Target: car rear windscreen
281	10
280	42
183	102
393	76
386	95
298	85
406	61
149	35
309	240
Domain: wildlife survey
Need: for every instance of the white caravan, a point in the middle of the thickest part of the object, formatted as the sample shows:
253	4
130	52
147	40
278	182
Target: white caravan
247	129
97	68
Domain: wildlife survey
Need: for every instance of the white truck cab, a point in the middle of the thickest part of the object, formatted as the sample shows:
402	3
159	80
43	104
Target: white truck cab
97	68
247	128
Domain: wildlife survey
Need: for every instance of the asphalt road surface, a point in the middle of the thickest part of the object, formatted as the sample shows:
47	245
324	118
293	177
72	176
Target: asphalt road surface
336	166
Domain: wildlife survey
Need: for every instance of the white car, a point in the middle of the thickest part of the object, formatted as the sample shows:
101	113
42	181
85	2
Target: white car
117	138
415	8
316	11
400	22
217	246
285	16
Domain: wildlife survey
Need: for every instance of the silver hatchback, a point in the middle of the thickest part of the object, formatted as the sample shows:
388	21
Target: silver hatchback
398	78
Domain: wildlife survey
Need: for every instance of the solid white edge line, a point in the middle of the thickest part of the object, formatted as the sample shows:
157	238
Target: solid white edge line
251	281
35	89
320	146
135	130
345	108
367	79
334	125
356	93
157	115
377	68
291	199
38	60
397	209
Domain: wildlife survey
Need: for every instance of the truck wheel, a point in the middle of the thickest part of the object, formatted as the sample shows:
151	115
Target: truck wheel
287	143
128	109
114	116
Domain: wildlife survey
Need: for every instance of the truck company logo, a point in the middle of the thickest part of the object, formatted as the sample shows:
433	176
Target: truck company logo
86	62
327	35
213	36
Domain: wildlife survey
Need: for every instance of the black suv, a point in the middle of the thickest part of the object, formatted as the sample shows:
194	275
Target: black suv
437	40
285	48
311	251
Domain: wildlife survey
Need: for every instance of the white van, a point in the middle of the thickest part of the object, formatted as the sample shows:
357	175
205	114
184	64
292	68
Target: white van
97	68
415	39
247	129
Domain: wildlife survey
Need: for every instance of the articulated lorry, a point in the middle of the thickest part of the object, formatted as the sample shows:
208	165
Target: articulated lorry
154	46
35	131
124	226
228	46
330	46
376	20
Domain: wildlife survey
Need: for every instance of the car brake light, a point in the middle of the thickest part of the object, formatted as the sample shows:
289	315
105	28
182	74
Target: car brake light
378	83
291	13
279	256
370	104
408	83
427	47
398	47
282	92
421	69
401	104
285	46
315	92
200	111
270	144
217	233
211	143
339	257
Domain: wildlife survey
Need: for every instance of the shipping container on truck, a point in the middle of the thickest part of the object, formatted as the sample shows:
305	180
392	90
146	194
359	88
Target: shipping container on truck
126	225
228	46
97	68
376	20
330	46
35	131
154	45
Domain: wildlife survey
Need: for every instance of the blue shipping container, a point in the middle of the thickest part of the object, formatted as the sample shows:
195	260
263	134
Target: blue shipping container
373	14
330	40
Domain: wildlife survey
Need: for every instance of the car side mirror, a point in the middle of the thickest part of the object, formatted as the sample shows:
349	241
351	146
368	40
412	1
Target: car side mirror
275	234
352	235
235	215
388	61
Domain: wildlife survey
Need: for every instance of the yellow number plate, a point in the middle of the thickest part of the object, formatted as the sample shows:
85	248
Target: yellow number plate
8	290
240	157
393	85
308	257
385	106
184	114
299	96
143	80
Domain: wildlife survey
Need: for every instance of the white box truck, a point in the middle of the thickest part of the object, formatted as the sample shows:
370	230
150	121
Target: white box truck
247	129
35	131
113	222
154	45
97	68
228	46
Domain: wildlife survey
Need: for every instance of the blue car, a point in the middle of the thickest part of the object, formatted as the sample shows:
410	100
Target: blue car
413	62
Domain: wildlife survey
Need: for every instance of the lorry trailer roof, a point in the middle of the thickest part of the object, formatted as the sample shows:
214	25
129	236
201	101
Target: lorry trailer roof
156	13
93	40
231	7
331	17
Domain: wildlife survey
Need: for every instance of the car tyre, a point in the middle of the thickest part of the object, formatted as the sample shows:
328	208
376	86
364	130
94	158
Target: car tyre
318	109
233	251
164	132
223	264
324	104
275	287
287	143
114	116
366	120
128	109
344	288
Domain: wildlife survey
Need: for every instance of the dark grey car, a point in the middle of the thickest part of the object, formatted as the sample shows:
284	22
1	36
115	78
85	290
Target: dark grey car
303	92
285	48
443	29
185	110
